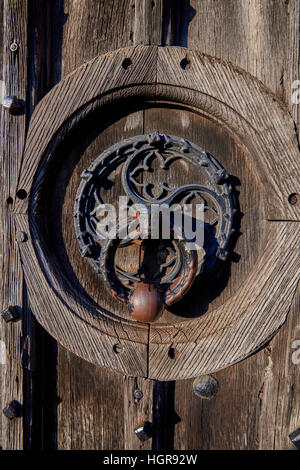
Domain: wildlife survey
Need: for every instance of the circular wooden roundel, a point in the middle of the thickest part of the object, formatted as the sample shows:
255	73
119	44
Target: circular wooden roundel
153	133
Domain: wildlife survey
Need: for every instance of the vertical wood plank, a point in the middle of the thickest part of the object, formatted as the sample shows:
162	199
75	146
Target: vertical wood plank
148	22
137	412
229	420
252	34
293	59
12	141
280	391
257	405
92	28
90	405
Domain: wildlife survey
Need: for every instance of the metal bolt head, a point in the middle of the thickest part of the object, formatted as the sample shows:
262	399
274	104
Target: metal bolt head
21	237
295	438
138	394
205	387
221	176
12	314
14	46
144	431
222	254
12	104
13	410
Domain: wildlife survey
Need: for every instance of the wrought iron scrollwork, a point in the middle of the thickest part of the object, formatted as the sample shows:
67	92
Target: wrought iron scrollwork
177	264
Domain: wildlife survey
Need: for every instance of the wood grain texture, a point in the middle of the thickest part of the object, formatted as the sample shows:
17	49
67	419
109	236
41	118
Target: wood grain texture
256	406
104	25
236	99
250	34
210	84
12	142
240	104
292	72
92	336
230	421
90	410
92	28
90	81
137	412
247	320
262	37
148	22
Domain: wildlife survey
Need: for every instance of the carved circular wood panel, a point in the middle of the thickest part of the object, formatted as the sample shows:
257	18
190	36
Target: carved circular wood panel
230	311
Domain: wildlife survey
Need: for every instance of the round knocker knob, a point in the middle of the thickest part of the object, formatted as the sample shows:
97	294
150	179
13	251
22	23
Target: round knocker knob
145	302
146	296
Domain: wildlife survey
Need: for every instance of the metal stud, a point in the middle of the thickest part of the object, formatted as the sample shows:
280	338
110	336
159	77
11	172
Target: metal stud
221	176
14	46
138	395
12	104
222	254
13	410
144	431
12	314
205	387
295	438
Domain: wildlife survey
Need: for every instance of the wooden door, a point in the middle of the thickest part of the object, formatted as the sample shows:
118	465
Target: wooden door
245	56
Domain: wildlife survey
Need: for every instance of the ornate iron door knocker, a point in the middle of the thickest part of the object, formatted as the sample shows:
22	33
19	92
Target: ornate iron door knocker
168	267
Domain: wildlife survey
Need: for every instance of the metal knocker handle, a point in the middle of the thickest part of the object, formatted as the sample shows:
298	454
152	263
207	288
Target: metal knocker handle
148	293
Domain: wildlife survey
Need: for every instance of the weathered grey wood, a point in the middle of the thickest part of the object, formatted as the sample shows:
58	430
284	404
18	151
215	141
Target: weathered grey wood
250	34
219	84
254	131
148	21
293	59
231	419
12	141
262	37
137	412
92	28
90	412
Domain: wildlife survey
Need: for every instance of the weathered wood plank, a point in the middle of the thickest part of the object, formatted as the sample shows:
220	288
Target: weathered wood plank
92	28
91	407
136	411
236	417
228	421
148	22
12	143
292	69
280	391
251	34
